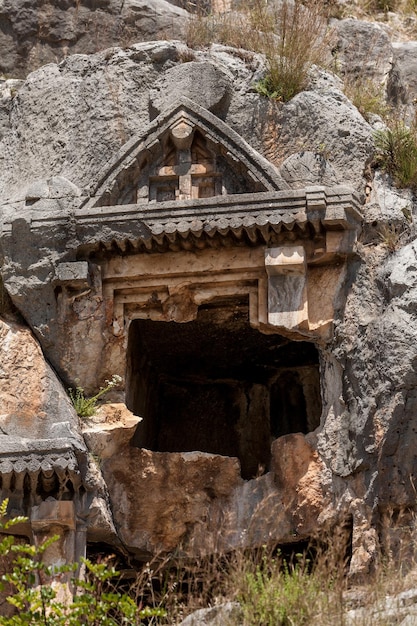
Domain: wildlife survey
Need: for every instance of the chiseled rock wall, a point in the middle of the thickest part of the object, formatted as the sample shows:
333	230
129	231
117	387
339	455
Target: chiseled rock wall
359	464
33	34
33	402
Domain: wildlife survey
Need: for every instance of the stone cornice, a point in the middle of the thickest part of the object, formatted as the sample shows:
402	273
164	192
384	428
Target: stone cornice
254	217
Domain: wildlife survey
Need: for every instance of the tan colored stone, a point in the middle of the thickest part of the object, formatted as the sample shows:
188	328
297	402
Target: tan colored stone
298	470
33	403
158	497
22	371
110	429
196	503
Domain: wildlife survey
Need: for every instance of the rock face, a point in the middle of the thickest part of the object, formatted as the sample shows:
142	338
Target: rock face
403	85
33	35
33	403
178	229
363	50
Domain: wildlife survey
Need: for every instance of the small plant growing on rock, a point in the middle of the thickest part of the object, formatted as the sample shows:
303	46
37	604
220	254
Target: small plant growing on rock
86	407
368	97
292	37
393	236
277	593
397	153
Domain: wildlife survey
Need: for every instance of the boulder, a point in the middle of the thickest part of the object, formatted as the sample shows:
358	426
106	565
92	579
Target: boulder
303	169
228	613
327	123
33	403
110	429
363	50
174	491
202	82
402	86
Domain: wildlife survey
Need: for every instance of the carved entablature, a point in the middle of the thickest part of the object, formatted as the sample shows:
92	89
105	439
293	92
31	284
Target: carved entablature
192	185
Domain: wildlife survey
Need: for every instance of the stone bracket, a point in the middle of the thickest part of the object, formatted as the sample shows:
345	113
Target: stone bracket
287	286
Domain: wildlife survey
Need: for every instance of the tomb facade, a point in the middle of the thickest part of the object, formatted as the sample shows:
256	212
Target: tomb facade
194	272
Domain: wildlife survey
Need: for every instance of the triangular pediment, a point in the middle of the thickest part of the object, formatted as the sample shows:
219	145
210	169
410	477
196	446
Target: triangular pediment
186	153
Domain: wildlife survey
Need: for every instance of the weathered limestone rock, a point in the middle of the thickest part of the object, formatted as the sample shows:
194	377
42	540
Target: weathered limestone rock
203	83
400	608
8	90
327	123
192	253
197	502
42	453
33	404
298	470
216	616
110	429
387	205
403	84
363	50
174	492
308	168
32	35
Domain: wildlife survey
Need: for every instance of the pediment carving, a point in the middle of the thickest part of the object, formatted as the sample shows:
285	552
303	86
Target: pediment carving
186	154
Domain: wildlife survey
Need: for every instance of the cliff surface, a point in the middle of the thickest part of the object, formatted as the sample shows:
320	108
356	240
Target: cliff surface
77	136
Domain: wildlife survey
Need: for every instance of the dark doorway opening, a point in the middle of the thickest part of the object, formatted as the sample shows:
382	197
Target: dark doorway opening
217	385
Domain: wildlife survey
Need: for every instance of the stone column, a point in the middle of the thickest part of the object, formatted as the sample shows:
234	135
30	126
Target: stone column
54	517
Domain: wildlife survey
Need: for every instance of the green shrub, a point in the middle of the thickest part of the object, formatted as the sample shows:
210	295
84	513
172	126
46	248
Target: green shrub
86	407
397	153
32	591
273	592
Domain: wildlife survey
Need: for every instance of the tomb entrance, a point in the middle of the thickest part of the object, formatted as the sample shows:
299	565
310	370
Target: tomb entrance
217	385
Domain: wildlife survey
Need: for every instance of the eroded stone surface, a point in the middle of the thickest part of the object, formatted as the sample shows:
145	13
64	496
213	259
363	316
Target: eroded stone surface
363	50
198	502
308	168
184	484
203	83
110	429
33	404
32	35
83	283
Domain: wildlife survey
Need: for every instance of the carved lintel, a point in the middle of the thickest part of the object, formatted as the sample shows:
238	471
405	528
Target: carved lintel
53	513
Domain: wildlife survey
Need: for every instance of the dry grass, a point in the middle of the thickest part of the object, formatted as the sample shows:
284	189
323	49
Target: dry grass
274	589
397	152
368	96
291	35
